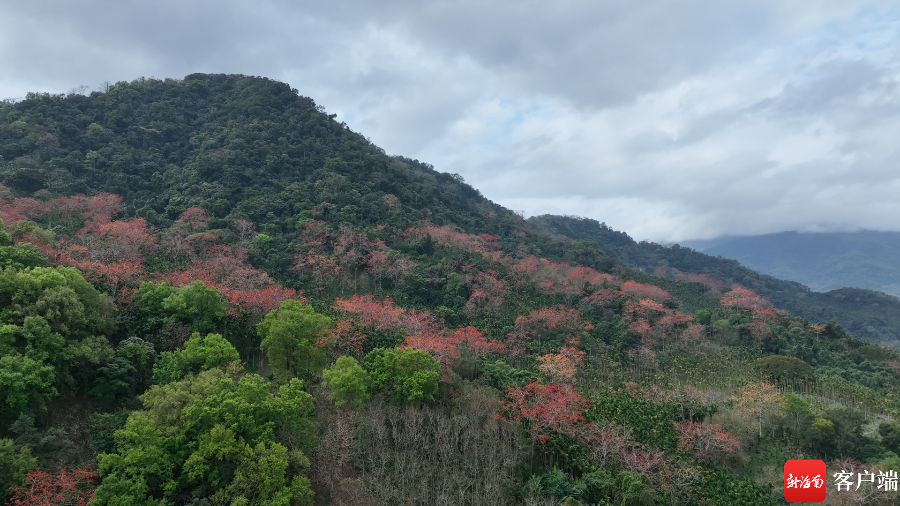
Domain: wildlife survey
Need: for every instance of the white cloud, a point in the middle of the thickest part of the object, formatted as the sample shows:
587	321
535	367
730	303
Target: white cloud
669	120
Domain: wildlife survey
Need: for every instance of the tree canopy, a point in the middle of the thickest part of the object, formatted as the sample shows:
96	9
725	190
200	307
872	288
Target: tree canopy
212	436
289	335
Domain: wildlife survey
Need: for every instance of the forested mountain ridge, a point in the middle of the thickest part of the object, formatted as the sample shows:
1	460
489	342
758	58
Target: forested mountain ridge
234	146
229	144
213	293
866	313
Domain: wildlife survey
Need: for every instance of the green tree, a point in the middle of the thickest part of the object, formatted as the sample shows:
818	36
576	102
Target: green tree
59	295
18	256
149	298
82	360
289	335
15	462
348	382
501	375
198	306
722	325
720	487
55	318
890	435
43	344
21	255
210	351
799	411
781	369
244	474
821	436
703	317
823	428
849	438
200	353
103	427
212	436
128	373
116	381
25	386
404	374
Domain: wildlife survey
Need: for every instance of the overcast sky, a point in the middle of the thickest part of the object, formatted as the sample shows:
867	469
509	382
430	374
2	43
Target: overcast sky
670	120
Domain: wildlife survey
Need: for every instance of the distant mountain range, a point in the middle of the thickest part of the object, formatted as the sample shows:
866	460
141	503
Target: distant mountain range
822	261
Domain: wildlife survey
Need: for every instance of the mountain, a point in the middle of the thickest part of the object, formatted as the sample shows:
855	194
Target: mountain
253	148
238	147
211	292
821	261
865	312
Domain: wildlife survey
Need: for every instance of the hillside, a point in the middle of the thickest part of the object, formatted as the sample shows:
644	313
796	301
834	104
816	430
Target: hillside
864	312
821	261
254	149
237	147
213	293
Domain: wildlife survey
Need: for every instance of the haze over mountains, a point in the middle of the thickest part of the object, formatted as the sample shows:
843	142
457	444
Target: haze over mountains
821	261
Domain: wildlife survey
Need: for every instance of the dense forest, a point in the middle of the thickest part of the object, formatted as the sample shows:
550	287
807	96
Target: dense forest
214	293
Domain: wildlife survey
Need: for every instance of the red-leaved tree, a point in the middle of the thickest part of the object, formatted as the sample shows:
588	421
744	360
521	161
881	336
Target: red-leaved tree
544	407
551	327
760	309
444	347
482	244
344	338
227	269
705	440
642	291
71	487
741	298
67	211
385	316
486	293
560	278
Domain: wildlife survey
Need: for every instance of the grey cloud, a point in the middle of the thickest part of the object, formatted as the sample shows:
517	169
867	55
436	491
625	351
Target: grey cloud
833	84
593	53
620	107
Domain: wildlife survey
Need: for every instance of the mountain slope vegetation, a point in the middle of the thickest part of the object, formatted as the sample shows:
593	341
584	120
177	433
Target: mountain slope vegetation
213	293
866	313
